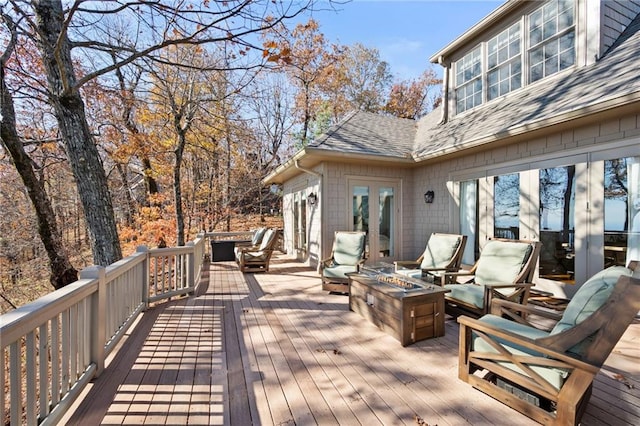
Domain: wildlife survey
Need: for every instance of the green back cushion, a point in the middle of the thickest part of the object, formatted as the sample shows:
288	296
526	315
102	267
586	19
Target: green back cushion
590	297
257	236
348	247
501	261
439	251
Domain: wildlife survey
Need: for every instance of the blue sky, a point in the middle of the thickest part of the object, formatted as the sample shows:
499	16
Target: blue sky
405	32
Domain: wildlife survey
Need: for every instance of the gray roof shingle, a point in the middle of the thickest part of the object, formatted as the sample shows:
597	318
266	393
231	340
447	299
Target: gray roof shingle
370	134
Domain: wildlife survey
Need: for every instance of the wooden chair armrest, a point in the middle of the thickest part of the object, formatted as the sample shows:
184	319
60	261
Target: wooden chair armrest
498	306
532	344
459	274
408	264
507	285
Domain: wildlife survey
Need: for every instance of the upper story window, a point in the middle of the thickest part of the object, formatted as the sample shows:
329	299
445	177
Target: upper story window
551	39
542	42
469	80
504	62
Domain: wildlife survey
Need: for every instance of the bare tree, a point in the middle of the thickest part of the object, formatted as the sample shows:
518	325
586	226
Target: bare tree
62	272
154	26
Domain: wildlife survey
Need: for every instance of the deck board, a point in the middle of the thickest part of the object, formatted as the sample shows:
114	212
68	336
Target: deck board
273	348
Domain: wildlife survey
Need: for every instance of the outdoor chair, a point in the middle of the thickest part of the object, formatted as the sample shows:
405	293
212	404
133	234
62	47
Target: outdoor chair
443	253
256	259
347	255
255	242
504	270
548	374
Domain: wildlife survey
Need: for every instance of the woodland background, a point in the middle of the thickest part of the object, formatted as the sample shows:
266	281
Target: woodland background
181	107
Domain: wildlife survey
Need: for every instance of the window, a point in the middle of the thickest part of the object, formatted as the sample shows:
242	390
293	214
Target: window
551	39
557	224
549	48
469	80
504	62
621	211
506	206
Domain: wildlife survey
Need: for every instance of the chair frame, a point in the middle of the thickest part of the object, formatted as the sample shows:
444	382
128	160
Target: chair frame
339	285
606	325
521	285
257	265
453	266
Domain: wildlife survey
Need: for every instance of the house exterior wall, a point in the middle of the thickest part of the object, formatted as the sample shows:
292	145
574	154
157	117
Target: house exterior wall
586	146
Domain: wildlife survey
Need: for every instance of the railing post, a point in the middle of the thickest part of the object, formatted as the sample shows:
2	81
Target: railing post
98	315
191	266
144	279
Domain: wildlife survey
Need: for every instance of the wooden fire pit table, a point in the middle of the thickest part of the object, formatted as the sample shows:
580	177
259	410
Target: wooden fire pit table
408	309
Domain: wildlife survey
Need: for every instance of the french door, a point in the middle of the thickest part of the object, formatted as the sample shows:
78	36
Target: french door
374	208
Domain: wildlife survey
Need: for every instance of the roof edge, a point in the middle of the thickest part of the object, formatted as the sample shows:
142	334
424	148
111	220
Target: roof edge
473	32
536	125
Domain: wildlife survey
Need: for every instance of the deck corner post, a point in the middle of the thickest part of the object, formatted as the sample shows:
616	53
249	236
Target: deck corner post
98	315
144	279
191	267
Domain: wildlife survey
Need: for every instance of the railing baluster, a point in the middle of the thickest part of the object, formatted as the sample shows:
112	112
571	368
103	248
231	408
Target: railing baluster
43	364
65	352
55	361
15	397
30	349
3	419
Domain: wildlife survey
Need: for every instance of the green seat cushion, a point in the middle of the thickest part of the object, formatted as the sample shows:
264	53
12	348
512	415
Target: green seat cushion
439	250
255	256
338	271
468	293
554	376
501	261
348	248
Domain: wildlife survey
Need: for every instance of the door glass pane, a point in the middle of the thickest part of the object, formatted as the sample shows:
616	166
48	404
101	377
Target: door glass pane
621	211
506	206
361	210
557	225
296	222
386	221
469	219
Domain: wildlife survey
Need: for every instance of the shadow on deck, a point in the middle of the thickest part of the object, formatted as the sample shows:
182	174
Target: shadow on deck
272	348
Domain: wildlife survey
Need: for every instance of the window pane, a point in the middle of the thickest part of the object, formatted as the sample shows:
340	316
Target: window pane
386	222
361	208
469	220
557	225
506	206
621	211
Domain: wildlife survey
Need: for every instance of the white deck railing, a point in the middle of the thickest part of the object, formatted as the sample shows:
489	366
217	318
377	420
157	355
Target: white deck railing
51	348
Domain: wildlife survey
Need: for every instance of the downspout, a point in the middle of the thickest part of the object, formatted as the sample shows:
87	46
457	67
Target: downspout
445	91
319	176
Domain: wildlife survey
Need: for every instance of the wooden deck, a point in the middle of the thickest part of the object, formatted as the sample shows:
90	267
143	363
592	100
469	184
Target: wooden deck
273	349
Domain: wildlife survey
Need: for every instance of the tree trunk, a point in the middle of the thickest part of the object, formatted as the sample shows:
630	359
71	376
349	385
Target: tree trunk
84	158
62	272
177	189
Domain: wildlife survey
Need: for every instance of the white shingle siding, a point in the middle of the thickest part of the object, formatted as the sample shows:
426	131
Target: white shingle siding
616	16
